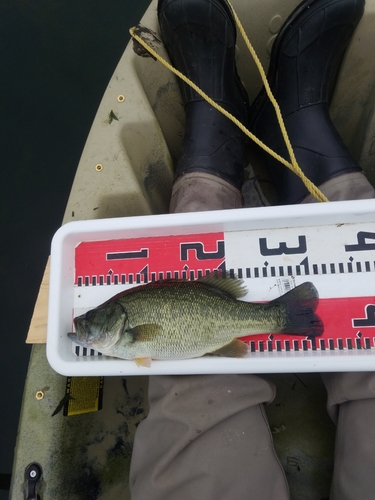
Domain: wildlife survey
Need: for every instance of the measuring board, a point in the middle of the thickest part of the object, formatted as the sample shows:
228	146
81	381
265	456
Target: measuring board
338	258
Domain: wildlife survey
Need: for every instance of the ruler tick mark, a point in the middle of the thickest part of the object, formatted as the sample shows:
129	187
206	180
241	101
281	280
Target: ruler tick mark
313	343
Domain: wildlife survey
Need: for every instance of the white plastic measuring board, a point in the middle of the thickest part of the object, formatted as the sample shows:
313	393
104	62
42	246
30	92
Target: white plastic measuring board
272	249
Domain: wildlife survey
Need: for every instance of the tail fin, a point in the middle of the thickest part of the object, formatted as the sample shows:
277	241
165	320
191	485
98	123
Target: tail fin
300	304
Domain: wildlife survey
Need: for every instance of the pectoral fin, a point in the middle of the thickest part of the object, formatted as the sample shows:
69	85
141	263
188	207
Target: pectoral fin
235	349
143	362
144	333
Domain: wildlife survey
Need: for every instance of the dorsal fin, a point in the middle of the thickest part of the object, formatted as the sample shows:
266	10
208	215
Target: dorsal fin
233	287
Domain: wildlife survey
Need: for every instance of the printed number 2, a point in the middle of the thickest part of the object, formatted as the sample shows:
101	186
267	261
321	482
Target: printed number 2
200	253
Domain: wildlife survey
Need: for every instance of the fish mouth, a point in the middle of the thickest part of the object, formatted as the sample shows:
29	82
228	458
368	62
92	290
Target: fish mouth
81	335
73	337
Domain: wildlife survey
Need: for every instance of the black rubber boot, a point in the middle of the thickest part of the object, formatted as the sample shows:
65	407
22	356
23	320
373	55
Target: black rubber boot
303	65
200	37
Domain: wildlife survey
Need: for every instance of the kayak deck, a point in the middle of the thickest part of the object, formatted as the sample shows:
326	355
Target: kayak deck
127	169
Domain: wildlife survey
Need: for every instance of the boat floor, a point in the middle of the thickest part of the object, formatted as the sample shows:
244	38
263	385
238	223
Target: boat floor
127	169
88	456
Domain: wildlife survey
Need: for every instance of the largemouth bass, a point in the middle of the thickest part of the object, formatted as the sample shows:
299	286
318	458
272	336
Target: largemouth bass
176	319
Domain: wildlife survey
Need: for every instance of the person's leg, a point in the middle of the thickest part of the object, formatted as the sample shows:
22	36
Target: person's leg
351	404
303	66
200	37
206	437
199	191
354	186
351	396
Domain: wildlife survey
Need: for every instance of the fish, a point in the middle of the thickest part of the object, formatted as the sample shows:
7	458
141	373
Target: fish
180	319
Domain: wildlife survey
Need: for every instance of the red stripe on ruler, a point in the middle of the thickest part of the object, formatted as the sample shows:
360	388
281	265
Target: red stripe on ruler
174	254
350	318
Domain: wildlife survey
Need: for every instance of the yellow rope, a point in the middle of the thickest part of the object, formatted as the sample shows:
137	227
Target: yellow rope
293	165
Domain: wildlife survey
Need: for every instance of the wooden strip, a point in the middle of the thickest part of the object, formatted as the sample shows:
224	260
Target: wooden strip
38	326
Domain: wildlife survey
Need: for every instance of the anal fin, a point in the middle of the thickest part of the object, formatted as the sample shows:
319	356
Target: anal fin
235	349
143	362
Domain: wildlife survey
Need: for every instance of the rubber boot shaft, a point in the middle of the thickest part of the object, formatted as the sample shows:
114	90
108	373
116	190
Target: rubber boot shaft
304	61
200	37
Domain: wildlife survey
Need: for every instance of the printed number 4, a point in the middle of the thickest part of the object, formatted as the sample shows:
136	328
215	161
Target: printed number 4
368	320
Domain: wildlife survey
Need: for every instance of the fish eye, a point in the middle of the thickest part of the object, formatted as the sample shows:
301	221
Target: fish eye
89	314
